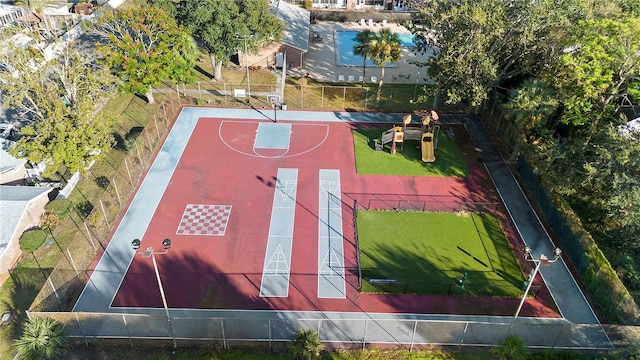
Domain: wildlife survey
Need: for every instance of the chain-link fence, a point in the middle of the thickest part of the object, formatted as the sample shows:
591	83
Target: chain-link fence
413	202
358	331
298	96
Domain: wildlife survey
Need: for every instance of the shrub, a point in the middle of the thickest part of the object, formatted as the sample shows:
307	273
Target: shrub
131	137
49	220
306	345
59	207
43	338
511	349
31	240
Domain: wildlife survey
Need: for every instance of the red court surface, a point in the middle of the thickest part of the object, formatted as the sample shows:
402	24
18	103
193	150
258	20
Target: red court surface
220	167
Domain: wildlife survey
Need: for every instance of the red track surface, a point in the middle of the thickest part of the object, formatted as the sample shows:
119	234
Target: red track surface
220	167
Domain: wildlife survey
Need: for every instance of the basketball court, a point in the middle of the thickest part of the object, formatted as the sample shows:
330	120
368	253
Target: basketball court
257	220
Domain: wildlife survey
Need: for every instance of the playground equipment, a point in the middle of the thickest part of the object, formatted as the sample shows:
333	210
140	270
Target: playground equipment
426	134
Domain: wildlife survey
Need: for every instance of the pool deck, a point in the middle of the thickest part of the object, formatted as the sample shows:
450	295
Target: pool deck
320	60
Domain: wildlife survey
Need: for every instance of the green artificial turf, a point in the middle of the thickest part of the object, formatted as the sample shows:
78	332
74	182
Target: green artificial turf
429	252
408	161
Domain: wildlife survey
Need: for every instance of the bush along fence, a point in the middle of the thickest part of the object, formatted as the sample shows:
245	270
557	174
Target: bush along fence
603	283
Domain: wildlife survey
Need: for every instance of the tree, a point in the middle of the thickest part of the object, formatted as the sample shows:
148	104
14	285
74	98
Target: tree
480	45
384	48
362	47
223	27
306	344
57	100
600	63
528	106
145	46
43	338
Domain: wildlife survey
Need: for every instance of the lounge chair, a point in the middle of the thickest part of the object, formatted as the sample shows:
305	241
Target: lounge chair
351	78
340	77
363	22
384	22
370	22
374	79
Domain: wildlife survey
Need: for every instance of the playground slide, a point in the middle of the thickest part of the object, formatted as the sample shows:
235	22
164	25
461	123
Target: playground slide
427	147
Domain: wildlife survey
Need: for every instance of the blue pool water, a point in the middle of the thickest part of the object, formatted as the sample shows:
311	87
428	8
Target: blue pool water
345	40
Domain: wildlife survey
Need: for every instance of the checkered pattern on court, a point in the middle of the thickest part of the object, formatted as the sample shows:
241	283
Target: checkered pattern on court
201	219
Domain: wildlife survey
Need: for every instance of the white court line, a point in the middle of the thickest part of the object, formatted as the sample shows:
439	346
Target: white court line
331	274
280	239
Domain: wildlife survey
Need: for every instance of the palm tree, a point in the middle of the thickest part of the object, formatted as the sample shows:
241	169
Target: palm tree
361	48
42	338
384	48
528	105
306	344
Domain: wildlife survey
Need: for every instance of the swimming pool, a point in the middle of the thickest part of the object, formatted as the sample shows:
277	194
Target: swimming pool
346	39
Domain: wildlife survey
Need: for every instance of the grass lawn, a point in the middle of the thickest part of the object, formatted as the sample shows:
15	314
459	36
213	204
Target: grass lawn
407	161
429	252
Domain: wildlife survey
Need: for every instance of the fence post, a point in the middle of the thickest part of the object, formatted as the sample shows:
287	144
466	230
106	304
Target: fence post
366	98
124	319
138	151
413	335
55	291
464	332
149	142
115	186
157	129
344	95
126	165
104	213
270	348
364	334
84	337
89	237
224	338
73	263
557	337
164	109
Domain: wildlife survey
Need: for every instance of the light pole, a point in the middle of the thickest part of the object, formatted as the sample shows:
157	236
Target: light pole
149	252
246	65
542	260
415	89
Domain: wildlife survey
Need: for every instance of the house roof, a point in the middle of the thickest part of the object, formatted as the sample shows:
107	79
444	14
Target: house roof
14	202
297	21
6	9
8	162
